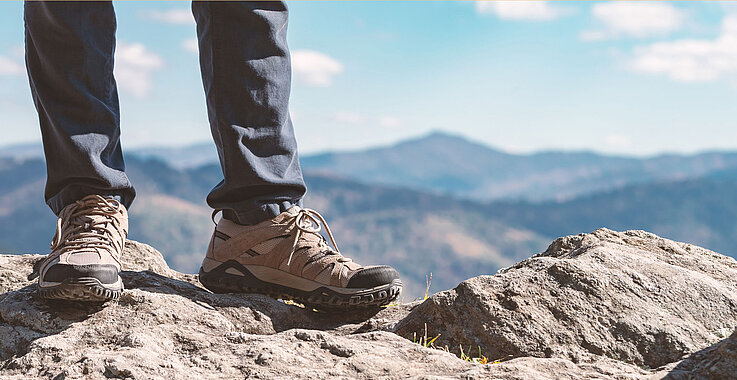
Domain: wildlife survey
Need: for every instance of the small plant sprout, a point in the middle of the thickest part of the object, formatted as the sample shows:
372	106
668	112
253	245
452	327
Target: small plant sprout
427	342
424	340
481	359
428	280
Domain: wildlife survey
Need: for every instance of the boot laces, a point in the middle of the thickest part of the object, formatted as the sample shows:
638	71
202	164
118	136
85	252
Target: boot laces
310	221
88	224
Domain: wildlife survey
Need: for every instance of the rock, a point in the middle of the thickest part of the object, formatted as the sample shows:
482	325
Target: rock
593	306
143	257
716	362
552	368
632	297
166	326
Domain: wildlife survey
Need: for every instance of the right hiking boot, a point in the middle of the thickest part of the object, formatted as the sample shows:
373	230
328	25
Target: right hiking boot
84	263
286	257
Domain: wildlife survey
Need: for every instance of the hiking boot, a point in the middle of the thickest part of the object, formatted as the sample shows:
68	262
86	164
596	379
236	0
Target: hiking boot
84	262
287	258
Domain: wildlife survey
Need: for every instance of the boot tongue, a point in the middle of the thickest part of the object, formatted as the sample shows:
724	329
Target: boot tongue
290	214
292	211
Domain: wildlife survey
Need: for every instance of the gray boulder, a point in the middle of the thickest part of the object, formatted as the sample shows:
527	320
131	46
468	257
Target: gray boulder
594	306
632	297
715	362
166	326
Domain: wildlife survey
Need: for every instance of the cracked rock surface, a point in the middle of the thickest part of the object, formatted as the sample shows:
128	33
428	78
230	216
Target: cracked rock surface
621	305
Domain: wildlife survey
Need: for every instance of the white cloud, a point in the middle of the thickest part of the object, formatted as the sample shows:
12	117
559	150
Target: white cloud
521	10
181	16
390	122
618	141
18	51
191	45
349	118
353	118
11	67
639	19
595	35
315	68
691	60
134	65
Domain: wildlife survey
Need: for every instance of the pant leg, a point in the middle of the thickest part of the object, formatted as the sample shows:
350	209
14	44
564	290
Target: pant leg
246	73
69	57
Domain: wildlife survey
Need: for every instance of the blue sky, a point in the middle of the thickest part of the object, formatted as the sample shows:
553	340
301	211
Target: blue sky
635	78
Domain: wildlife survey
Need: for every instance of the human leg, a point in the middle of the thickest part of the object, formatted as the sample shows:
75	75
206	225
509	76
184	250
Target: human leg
69	57
246	74
266	242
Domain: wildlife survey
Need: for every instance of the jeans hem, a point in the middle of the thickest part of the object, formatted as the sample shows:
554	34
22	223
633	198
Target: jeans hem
71	194
261	213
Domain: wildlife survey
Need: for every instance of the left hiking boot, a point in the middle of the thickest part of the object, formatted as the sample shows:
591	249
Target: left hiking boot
286	257
84	262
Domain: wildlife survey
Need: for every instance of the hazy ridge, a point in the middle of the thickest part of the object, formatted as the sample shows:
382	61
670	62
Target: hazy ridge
416	205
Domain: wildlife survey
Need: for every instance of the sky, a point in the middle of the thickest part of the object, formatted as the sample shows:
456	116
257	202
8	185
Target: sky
630	78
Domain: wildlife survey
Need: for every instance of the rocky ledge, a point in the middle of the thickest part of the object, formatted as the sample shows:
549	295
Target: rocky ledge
621	305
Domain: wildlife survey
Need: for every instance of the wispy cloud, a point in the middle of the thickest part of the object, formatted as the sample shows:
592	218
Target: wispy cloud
134	66
18	51
11	67
354	118
691	60
191	45
315	68
522	10
390	122
179	16
349	118
634	19
618	141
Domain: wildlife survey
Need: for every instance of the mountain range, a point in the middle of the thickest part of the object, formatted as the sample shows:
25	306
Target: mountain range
419	204
448	164
454	165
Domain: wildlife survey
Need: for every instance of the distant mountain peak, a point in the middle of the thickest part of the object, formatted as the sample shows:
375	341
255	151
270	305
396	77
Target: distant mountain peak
438	135
444	140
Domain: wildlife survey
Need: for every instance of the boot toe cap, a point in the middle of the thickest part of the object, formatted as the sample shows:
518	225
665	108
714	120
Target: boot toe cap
105	273
372	277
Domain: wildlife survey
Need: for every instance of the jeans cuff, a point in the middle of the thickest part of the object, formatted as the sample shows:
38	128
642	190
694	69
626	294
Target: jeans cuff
261	213
73	193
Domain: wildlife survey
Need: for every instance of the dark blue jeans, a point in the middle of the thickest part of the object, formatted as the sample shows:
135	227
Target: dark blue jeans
246	75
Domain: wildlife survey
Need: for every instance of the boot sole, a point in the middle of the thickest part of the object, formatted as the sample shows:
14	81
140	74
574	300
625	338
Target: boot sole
322	298
87	289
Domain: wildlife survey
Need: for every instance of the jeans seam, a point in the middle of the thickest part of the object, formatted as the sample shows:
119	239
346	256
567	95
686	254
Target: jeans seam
214	40
111	66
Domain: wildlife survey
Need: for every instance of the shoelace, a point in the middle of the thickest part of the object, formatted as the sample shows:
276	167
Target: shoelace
310	221
94	233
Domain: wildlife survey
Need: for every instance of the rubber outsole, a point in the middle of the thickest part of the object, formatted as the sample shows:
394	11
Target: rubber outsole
323	298
87	289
